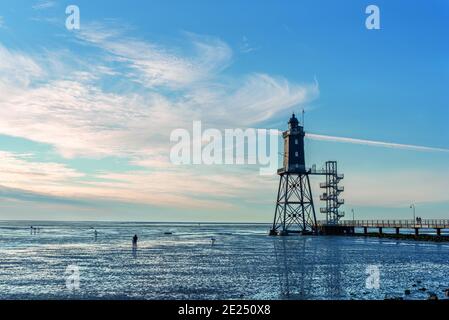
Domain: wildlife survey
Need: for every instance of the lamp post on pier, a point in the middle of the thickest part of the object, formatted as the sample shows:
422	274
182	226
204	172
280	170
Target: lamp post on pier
412	206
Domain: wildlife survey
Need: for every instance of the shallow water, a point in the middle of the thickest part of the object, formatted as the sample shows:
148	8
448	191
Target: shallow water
243	263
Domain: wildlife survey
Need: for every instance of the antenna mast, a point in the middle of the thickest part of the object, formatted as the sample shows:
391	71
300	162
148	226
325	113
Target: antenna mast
303	118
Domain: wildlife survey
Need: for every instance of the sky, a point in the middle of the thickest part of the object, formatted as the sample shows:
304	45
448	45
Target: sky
86	115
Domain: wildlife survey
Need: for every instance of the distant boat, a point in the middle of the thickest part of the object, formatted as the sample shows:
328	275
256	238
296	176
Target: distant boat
168	232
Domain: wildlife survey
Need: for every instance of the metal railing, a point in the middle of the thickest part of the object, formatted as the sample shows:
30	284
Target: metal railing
423	224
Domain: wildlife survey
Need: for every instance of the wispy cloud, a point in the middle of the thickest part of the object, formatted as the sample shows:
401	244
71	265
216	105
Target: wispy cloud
246	47
2	22
26	179
30	196
44	4
69	109
17	170
156	65
17	68
375	143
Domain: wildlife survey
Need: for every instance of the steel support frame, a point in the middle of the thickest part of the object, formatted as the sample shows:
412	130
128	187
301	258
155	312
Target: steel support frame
295	210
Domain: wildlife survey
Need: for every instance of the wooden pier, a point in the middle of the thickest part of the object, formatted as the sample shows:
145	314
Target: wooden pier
349	226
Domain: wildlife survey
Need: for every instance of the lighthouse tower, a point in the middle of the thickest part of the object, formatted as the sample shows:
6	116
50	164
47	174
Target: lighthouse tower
295	212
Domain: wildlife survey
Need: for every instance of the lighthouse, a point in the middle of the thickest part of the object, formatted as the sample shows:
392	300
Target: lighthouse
294	147
295	211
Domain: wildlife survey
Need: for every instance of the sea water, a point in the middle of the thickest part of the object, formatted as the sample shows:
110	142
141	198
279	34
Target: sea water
180	261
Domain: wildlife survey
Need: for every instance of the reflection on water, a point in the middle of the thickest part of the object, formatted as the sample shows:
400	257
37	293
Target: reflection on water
334	264
300	263
294	275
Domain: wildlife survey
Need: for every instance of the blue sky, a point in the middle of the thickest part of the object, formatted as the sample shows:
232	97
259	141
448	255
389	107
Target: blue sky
86	115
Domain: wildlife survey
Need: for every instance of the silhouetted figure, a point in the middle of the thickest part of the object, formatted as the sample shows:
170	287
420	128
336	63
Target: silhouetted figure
135	238
212	240
95	234
31	230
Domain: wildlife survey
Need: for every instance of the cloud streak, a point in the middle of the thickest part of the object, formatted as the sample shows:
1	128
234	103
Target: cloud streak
373	143
44	4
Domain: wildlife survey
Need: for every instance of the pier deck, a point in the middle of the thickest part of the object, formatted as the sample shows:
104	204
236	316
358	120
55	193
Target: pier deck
435	224
407	224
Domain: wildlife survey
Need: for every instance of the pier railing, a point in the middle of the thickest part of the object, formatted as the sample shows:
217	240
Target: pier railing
423	224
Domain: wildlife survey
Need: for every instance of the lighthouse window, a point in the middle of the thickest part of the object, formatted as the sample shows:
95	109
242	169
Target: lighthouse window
296	141
296	154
